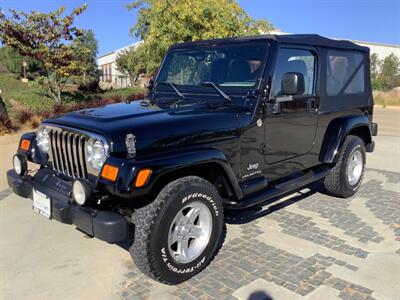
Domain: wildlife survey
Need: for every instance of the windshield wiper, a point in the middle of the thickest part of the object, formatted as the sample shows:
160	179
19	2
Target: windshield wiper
180	94
221	92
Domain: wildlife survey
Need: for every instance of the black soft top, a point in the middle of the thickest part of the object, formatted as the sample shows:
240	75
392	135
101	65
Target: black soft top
302	39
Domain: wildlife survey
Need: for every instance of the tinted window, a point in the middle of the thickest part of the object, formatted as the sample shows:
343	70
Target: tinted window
294	60
228	66
345	73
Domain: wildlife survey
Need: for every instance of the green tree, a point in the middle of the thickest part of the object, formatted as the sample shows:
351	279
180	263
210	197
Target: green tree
375	66
88	45
13	61
390	72
132	62
48	38
162	23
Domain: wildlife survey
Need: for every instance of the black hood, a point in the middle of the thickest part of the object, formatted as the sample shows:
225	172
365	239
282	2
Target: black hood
155	126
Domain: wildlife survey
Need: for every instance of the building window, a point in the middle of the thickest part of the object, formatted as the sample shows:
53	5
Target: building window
109	73
103	71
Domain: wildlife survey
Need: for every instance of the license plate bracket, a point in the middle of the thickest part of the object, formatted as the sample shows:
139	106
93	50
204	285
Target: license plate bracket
41	204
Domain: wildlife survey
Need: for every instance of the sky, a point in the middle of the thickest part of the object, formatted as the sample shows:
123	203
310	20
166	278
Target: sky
365	20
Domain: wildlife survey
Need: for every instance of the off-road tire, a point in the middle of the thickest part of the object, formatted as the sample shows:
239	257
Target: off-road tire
337	183
152	224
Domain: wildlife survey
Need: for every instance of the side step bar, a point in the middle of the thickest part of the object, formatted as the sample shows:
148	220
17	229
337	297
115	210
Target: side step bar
278	190
254	185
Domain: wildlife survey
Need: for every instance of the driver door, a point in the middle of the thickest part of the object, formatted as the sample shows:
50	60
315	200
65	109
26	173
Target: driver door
290	126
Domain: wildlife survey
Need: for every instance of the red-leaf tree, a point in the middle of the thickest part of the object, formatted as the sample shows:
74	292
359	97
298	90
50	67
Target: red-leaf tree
49	38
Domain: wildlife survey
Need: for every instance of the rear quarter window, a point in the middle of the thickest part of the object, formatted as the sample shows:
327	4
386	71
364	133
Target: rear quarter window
345	73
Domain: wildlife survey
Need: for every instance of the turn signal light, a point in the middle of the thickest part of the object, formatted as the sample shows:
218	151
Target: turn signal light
142	177
25	144
109	172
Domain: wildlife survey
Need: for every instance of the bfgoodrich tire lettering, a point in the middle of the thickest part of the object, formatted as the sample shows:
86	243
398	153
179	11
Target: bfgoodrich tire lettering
150	250
337	182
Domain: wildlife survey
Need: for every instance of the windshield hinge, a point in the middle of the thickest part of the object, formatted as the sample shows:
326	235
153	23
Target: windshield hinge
252	94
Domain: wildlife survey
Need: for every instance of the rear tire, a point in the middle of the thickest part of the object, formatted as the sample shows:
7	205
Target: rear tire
345	178
180	232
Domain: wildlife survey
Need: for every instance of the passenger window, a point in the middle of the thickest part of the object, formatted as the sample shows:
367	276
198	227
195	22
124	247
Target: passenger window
294	60
345	73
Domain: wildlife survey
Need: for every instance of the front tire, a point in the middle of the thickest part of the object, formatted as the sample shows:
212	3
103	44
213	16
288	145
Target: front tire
345	178
180	232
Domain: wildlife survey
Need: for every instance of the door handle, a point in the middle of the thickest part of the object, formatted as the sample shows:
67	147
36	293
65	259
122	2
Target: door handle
311	106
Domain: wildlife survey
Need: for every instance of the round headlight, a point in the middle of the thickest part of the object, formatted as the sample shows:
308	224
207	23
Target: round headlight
43	139
80	192
97	154
20	164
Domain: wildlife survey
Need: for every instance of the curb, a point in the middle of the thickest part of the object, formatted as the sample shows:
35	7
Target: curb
5	193
387	106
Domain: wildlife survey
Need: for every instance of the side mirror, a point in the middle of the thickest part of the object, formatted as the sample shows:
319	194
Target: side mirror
292	84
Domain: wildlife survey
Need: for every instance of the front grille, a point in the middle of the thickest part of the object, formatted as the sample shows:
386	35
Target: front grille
67	152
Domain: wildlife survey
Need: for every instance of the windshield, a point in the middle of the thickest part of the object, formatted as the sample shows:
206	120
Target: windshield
233	65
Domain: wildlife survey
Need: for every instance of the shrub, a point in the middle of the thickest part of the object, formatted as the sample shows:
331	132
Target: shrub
34	115
59	109
36	120
6	124
385	98
23	116
123	93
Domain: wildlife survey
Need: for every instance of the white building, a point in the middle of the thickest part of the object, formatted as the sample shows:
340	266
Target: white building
111	74
382	50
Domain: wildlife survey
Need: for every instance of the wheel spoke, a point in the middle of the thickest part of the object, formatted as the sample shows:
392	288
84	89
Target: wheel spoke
353	163
183	248
196	232
173	237
193	214
179	218
355	167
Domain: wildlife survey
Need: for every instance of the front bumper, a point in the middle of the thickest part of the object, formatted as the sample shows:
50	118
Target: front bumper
104	225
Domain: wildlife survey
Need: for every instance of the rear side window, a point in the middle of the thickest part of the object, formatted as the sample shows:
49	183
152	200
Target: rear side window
345	73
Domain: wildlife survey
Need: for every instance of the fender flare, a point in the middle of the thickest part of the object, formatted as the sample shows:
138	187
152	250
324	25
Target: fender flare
337	131
163	164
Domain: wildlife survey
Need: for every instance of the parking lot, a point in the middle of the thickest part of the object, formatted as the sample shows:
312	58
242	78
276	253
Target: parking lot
306	246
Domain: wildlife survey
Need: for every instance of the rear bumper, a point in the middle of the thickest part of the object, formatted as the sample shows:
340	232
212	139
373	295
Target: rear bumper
374	129
104	225
374	132
370	147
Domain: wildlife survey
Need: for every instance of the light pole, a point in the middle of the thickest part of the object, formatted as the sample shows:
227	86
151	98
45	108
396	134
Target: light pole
24	65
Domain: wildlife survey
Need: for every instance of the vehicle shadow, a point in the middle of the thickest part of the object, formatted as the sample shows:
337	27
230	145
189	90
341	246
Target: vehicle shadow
243	216
259	295
237	217
125	244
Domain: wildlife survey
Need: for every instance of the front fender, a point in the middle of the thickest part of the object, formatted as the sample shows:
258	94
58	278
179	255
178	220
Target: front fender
162	165
337	131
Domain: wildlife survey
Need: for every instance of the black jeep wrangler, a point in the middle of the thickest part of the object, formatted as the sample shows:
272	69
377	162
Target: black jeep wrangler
227	124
